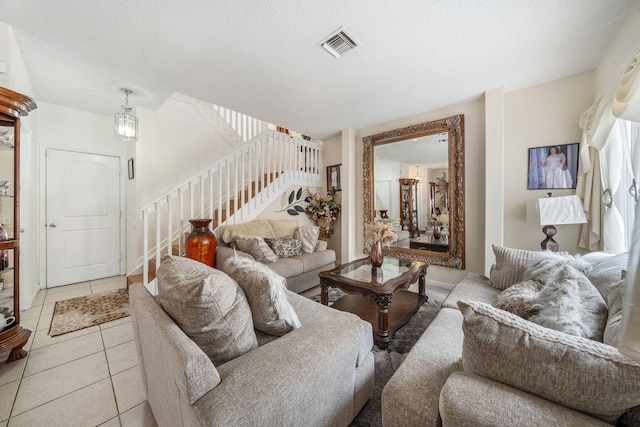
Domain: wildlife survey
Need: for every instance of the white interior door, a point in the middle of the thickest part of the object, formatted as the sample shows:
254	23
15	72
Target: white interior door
83	217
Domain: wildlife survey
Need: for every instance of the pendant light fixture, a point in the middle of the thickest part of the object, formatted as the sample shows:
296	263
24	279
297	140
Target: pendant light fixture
126	124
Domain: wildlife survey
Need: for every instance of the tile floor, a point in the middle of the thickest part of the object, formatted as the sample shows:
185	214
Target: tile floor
84	378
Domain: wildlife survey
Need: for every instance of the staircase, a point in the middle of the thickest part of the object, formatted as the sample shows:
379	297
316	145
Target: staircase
236	189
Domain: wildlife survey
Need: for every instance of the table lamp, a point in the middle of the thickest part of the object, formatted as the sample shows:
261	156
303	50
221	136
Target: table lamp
555	210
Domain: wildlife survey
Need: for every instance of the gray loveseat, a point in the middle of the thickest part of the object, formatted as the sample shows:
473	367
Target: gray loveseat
433	388
320	374
301	271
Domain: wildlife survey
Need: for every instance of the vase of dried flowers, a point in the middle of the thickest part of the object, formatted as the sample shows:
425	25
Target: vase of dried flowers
376	235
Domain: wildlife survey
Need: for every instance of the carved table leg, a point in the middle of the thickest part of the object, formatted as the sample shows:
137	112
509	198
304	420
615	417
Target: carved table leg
422	283
17	354
324	292
383	301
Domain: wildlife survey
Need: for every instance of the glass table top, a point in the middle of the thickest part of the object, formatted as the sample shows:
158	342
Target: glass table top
362	270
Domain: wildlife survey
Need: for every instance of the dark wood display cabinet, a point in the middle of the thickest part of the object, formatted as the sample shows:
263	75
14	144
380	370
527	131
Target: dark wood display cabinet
409	206
13	336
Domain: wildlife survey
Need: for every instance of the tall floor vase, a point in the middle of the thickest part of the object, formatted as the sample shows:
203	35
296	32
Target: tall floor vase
201	242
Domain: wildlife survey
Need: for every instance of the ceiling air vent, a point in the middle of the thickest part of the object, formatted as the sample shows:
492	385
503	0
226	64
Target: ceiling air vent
338	43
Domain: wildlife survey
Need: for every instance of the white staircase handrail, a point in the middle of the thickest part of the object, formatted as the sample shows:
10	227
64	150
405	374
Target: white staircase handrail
235	189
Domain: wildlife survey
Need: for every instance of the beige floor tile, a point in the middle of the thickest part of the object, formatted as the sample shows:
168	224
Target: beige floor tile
53	383
122	357
89	406
32	313
118	334
113	422
42	339
68	288
10	372
3	424
47	308
7	396
104	287
112	279
56	354
29	324
44	322
39	300
140	416
116	322
60	296
129	389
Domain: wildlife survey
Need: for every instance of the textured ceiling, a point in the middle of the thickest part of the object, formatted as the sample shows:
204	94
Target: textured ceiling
263	58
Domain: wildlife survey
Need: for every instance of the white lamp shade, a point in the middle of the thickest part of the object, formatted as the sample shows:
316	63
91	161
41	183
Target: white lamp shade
556	210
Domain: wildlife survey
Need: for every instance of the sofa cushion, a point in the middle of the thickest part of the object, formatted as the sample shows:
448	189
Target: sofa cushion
511	264
208	306
568	302
615	296
266	292
284	227
288	267
520	298
285	247
256	247
260	227
317	259
308	235
576	372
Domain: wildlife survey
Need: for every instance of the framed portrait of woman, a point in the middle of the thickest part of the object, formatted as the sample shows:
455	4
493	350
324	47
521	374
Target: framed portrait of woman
333	177
553	166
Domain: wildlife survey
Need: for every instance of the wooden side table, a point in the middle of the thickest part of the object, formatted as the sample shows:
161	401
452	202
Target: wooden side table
378	294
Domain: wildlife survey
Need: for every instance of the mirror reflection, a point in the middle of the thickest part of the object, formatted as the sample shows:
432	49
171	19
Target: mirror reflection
411	188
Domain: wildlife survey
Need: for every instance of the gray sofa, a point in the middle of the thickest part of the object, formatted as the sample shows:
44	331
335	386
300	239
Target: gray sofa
301	272
320	374
433	388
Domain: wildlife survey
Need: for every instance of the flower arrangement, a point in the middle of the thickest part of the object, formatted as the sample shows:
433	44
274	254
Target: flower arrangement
378	231
323	209
440	220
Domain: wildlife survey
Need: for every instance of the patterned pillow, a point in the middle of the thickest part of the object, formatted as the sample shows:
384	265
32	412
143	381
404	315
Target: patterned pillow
308	235
256	247
520	298
285	247
575	372
267	294
208	306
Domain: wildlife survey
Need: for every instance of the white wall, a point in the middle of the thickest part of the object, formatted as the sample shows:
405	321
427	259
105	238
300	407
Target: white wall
332	155
538	116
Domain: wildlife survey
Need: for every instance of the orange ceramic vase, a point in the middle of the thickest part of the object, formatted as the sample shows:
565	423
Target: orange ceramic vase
201	242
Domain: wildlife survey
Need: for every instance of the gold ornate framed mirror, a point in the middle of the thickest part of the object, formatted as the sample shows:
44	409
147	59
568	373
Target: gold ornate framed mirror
429	152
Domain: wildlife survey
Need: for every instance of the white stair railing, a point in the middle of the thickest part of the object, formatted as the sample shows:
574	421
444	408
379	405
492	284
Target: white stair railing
235	189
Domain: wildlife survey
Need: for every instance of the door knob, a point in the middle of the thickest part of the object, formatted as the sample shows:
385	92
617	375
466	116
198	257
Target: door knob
53	225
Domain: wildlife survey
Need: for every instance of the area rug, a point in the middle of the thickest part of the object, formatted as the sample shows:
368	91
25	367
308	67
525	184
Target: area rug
90	310
387	361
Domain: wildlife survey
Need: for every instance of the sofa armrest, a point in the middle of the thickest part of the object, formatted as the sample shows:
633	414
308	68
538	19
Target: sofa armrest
225	252
502	405
321	245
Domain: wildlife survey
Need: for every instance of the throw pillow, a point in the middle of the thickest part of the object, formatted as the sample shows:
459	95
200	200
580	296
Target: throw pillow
568	302
285	247
308	235
607	270
520	298
511	264
208	306
614	321
267	295
575	372
256	247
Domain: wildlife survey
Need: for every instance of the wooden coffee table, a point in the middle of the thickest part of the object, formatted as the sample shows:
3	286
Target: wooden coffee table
378	294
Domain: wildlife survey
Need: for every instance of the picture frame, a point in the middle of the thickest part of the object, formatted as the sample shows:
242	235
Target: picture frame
333	177
553	166
131	169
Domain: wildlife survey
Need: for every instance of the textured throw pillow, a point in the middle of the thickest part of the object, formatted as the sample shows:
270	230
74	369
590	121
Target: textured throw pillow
607	270
575	372
520	298
208	306
267	295
285	247
511	264
256	247
615	295
569	303
308	235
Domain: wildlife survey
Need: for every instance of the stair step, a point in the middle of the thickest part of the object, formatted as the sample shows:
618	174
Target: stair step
137	278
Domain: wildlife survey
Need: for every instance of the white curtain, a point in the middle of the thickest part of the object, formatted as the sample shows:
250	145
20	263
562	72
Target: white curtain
630	339
610	162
